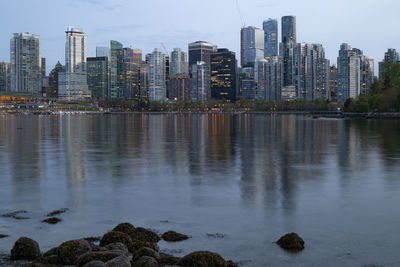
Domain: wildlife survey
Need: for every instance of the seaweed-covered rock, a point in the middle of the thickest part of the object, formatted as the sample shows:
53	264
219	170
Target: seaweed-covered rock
57	212
136	245
95	264
121	261
202	259
52	220
126	228
143	234
172	236
117	246
25	249
291	241
145	261
16	215
3	236
230	264
166	259
68	252
115	237
144	251
102	256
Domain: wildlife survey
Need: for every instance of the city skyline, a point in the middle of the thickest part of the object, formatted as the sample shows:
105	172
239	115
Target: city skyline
147	34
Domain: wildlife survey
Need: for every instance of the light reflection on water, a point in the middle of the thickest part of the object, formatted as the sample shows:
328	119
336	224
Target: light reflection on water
250	177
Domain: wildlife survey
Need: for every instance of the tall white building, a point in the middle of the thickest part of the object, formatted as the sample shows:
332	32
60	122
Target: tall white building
354	75
157	88
73	82
178	64
200	81
26	63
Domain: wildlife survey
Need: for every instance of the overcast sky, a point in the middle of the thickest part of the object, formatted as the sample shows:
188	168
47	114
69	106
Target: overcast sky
371	25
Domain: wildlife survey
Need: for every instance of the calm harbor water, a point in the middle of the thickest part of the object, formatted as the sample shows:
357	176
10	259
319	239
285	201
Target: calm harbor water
249	177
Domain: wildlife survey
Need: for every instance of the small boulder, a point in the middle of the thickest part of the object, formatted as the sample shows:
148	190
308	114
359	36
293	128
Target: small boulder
172	236
291	241
25	249
202	259
102	256
69	252
116	237
166	259
136	245
57	212
121	261
95	264
126	228
52	220
3	236
117	246
142	234
148	252
145	261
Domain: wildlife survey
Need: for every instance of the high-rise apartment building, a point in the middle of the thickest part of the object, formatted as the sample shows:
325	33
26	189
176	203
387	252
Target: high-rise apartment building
179	63
5	77
251	45
200	81
391	56
144	80
97	77
26	63
181	87
270	28
247	83
157	88
289	29
52	91
224	75
287	50
73	82
333	83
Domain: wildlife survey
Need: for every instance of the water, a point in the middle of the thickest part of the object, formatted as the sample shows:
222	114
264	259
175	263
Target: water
252	178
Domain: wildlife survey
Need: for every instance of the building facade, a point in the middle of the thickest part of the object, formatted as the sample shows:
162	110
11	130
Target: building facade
200	81
157	88
132	63
117	71
5	77
97	77
73	82
181	87
270	28
251	46
179	63
224	83
26	63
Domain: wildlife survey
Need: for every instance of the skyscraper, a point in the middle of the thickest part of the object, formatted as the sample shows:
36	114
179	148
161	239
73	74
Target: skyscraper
288	49
260	79
181	87
224	75
179	63
251	45
247	83
270	28
157	89
289	29
333	83
273	79
200	81
343	73
132	62
73	83
97	77
391	56
117	79
201	51
5	77
26	63
53	80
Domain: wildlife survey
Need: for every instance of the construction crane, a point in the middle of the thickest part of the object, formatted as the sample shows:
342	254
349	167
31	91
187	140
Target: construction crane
165	49
240	13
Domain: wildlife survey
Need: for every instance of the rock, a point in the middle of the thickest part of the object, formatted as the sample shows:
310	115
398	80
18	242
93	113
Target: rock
57	212
126	228
172	236
202	259
291	241
102	256
69	252
230	264
216	235
93	239
136	245
121	261
52	220
117	246
142	234
166	259
116	237
15	215
3	236
145	262
95	264
144	251
25	249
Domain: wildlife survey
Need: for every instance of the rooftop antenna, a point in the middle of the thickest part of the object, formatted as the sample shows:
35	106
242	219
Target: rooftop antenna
240	13
165	49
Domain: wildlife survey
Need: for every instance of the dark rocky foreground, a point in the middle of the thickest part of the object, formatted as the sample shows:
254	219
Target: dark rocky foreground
124	246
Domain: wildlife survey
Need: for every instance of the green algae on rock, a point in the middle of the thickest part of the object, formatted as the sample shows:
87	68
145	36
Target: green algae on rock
291	241
115	237
57	212
143	234
172	236
126	228
52	220
25	249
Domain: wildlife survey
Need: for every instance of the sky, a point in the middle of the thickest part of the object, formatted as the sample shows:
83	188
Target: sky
370	25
